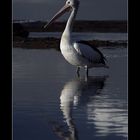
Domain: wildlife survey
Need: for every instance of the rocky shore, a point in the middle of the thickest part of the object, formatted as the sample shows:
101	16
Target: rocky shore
79	26
21	33
50	42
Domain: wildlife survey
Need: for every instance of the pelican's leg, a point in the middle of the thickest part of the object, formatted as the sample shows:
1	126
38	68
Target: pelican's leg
78	70
86	69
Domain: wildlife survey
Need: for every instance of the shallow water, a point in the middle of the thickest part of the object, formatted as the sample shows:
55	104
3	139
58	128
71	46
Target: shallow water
50	102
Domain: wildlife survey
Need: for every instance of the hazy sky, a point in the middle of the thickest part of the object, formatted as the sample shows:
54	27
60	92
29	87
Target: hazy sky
88	10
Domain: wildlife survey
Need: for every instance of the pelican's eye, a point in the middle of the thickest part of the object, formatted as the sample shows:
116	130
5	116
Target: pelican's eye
68	2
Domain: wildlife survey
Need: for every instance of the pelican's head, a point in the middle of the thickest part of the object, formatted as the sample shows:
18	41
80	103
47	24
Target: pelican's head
73	3
70	4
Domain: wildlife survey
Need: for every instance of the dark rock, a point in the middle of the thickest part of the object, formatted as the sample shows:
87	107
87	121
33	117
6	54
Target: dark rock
79	26
50	42
19	31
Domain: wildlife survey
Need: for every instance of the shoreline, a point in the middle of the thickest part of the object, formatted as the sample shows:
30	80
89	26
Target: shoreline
79	26
51	42
21	33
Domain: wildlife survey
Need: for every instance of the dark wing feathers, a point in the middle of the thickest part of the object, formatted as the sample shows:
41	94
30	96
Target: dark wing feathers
95	49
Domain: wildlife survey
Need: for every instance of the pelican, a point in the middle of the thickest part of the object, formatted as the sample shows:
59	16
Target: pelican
77	53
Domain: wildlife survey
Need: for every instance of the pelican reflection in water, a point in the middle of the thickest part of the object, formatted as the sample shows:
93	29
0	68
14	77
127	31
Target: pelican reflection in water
77	92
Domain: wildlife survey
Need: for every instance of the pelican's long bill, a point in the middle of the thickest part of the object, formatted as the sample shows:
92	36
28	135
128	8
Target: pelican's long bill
66	8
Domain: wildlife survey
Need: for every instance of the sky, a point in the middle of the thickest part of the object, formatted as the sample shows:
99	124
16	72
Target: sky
88	10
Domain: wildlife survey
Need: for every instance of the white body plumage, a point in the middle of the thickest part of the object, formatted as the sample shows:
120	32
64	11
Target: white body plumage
77	53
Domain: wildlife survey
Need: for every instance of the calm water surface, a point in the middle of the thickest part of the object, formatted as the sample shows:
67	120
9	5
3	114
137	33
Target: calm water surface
51	103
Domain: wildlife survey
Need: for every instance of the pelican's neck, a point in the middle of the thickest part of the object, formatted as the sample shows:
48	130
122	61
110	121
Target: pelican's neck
69	25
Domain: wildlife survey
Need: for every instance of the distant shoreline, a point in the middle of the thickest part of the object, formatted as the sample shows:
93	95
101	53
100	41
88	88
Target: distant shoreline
79	26
51	42
21	33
